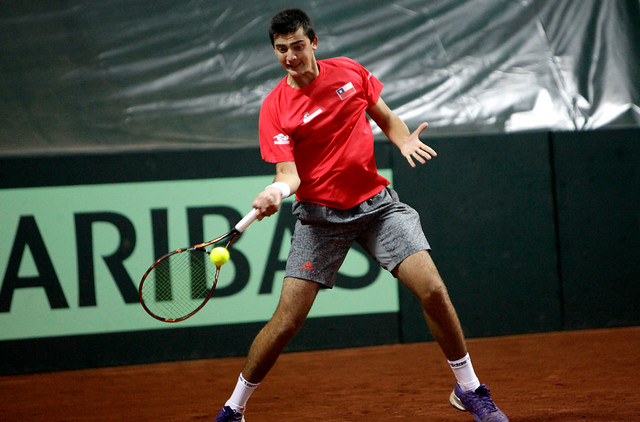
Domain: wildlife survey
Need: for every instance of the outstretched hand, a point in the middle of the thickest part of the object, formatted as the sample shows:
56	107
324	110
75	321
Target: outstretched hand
414	148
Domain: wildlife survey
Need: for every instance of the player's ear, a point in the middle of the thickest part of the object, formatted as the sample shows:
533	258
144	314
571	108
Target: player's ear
314	43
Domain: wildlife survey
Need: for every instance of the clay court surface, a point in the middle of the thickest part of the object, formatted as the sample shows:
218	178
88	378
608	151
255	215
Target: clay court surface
566	376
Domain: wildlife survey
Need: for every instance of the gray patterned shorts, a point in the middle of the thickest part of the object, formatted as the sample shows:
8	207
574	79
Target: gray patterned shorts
386	228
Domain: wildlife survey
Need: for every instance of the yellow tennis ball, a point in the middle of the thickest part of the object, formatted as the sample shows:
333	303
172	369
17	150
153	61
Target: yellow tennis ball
219	255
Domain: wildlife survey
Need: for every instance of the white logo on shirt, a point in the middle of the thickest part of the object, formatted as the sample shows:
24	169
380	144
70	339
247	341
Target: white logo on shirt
281	139
308	117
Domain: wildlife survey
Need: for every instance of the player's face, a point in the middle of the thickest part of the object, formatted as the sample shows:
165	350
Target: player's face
296	53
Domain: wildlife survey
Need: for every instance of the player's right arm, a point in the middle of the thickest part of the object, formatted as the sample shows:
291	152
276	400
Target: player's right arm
285	183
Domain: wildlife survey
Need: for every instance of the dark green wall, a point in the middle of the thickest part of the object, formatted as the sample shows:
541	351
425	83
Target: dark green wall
532	232
487	208
598	191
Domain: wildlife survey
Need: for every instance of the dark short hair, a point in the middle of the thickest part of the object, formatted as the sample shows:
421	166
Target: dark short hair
288	21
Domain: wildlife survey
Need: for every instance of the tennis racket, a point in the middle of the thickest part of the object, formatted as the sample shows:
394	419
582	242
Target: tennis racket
180	283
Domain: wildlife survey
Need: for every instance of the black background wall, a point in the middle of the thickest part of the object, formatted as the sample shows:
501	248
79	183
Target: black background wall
532	232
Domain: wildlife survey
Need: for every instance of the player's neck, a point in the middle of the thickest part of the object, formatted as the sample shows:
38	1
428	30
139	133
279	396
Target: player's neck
304	79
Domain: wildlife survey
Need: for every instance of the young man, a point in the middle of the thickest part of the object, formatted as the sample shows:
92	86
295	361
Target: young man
314	127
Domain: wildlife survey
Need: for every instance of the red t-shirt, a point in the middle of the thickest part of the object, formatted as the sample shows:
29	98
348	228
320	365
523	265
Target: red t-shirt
323	127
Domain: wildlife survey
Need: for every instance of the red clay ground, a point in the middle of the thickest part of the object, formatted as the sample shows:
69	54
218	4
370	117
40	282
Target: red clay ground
568	376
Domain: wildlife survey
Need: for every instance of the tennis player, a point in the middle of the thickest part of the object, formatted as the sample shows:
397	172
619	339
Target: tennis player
314	127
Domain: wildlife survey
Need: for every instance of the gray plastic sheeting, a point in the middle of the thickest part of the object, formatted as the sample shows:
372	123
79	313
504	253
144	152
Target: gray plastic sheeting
87	75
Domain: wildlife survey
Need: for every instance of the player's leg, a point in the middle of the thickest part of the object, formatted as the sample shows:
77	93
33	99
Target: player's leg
296	299
395	238
420	275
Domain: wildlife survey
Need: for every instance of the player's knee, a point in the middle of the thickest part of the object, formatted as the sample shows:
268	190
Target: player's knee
434	295
286	326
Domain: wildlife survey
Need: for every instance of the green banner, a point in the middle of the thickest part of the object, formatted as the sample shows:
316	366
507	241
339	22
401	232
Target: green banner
72	257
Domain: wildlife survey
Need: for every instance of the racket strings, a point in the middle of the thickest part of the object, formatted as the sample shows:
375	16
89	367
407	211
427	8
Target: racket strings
179	284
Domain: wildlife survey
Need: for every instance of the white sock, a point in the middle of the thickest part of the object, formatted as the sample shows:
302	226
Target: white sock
240	397
464	373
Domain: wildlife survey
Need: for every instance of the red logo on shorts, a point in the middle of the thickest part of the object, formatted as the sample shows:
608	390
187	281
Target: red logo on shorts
308	266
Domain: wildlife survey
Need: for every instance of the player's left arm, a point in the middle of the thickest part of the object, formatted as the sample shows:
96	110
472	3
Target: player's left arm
397	131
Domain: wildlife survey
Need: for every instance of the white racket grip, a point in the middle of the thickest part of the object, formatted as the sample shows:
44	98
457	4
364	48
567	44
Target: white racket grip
246	220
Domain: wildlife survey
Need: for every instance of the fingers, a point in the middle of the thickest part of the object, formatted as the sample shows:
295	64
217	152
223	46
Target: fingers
427	152
418	151
420	128
421	153
417	157
266	204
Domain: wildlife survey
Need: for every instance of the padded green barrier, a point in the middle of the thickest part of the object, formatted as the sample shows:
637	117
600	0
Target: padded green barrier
487	208
531	232
598	175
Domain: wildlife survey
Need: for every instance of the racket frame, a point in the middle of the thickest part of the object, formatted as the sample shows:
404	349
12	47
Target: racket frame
232	235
